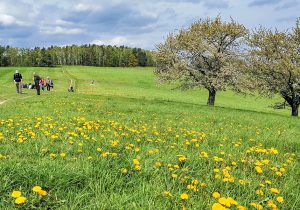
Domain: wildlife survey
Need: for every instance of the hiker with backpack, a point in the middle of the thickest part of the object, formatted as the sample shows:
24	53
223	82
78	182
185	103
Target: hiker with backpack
49	84
36	79
18	81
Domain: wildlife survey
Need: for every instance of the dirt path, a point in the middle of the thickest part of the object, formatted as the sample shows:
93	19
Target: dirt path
3	102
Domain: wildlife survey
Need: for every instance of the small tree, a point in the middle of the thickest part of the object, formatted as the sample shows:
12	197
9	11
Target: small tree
275	63
207	54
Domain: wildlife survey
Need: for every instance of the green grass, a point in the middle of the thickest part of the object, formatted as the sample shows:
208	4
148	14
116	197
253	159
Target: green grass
127	105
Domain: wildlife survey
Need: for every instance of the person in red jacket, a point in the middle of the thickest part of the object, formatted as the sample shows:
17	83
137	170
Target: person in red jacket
42	84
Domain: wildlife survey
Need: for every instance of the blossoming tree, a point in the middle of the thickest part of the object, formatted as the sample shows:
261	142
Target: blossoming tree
274	59
207	54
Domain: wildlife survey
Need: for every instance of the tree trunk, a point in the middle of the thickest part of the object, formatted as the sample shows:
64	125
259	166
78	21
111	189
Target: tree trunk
295	108
211	96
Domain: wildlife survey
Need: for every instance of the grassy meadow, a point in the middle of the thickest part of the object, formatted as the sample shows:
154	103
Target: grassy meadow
127	143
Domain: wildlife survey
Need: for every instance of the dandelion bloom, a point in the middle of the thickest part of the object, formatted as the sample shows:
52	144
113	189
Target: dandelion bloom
181	158
279	199
16	194
274	190
43	193
184	196
257	206
217	206
232	201
241	208
167	193
216	195
136	162
258	170
124	170
259	192
36	189
20	200
224	201
203	184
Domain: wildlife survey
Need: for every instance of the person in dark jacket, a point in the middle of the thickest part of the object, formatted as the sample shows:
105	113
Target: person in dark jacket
18	81
36	79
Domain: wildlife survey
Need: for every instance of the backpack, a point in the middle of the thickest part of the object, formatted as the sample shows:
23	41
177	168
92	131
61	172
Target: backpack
17	77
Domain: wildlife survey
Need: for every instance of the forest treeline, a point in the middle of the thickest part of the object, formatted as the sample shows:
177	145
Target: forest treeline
87	55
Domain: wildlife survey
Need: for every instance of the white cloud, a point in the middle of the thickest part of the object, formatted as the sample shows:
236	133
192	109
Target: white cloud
61	30
86	7
118	41
138	23
62	22
7	19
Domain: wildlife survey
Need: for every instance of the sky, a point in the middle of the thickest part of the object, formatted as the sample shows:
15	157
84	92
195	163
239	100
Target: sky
134	23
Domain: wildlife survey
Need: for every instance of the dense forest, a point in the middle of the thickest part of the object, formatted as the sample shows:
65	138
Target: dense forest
87	55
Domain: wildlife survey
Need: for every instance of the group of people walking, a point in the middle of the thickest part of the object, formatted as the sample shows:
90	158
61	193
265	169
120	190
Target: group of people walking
39	83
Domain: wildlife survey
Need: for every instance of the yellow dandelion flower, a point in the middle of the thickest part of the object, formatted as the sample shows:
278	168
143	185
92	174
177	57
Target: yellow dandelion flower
136	161
217	206
137	167
36	189
203	184
43	193
258	170
20	200
259	192
257	206
184	196
274	190
282	169
241	208
124	170
174	176
224	201
216	195
167	193
16	194
232	201
280	199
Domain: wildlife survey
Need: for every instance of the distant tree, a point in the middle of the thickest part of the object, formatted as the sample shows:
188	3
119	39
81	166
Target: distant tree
204	55
2	55
140	56
132	60
150	58
274	59
89	55
46	59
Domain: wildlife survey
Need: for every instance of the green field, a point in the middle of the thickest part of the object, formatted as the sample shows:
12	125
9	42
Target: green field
127	143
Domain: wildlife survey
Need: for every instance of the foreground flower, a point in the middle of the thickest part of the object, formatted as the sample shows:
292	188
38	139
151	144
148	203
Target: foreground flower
167	193
217	206
184	196
43	193
36	189
224	201
216	195
257	206
274	190
181	158
16	194
280	199
258	170
20	200
124	170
